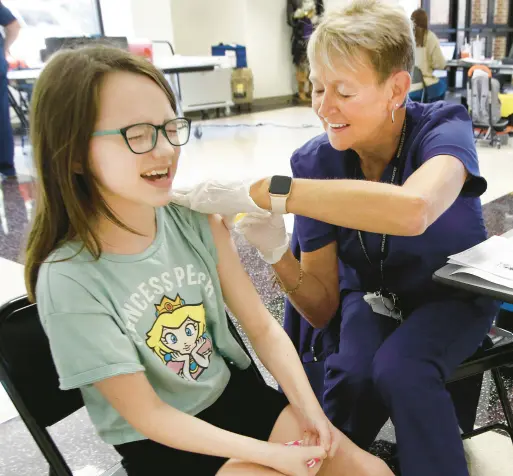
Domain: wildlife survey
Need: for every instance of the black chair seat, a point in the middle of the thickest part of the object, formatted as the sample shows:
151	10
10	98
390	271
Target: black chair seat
501	125
496	351
498	127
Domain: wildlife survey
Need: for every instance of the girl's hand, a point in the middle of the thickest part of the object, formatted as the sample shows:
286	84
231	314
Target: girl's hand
267	233
319	431
293	460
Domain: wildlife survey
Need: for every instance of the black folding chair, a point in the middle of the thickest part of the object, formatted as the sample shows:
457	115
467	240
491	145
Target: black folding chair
496	352
30	379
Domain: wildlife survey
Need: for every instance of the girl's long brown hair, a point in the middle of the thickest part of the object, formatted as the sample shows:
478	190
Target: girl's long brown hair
63	114
420	22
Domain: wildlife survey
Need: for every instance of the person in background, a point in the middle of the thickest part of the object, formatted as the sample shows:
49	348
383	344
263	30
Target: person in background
302	16
428	57
11	29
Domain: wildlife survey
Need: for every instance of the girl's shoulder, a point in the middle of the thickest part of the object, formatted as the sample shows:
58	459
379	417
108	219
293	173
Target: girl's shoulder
66	257
63	277
194	225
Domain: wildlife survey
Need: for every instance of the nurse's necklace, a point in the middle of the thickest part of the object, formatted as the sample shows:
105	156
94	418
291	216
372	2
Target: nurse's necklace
383	292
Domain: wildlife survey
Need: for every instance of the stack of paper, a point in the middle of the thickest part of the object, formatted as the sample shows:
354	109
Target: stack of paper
491	260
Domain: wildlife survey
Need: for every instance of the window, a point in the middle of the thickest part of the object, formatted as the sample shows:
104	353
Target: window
479	12
41	19
463	20
409	5
501	13
33	18
439	12
499	47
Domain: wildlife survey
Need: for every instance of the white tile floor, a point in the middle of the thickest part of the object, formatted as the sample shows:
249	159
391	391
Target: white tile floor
490	454
7	409
11	285
228	150
250	145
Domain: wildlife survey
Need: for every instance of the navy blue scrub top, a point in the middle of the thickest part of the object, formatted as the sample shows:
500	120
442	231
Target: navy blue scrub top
6	18
432	129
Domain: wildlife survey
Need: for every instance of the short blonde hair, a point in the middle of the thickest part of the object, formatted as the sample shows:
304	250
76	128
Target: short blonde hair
382	32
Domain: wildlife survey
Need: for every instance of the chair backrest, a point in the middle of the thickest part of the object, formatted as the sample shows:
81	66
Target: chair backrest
418	78
27	368
496	351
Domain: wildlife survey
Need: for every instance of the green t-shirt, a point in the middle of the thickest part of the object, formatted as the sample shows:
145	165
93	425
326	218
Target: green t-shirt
160	311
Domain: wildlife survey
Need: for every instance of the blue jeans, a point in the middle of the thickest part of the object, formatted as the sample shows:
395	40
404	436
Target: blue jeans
435	92
6	135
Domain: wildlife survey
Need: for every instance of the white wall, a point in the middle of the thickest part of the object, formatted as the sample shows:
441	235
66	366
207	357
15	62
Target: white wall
152	19
329	4
199	24
149	19
268	48
408	5
117	18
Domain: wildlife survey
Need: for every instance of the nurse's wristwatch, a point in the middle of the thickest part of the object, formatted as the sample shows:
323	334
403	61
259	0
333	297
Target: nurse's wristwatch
279	191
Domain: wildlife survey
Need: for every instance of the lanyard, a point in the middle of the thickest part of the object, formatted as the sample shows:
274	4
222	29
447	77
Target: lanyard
384	240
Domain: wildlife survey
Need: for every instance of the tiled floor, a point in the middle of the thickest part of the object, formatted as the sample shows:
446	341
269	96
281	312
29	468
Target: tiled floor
251	146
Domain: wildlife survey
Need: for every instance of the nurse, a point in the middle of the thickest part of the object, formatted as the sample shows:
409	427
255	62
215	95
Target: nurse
388	192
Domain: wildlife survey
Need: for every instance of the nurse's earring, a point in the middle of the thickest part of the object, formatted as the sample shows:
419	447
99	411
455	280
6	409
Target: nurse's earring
393	113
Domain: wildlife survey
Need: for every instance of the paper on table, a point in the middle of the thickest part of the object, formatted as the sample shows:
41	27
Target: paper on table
491	278
494	256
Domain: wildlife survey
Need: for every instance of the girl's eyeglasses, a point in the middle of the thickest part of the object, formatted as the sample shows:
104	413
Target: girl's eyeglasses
142	138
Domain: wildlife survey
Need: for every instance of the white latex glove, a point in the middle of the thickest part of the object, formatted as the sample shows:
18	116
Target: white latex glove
209	197
267	233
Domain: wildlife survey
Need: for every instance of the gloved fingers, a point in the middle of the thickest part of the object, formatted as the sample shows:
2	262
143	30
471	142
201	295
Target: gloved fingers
274	255
271	221
179	197
253	218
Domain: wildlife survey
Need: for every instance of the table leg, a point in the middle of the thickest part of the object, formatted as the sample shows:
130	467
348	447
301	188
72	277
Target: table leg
175	87
451	77
18	110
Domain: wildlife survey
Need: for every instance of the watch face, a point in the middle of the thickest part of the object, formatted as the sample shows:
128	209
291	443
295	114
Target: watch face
280	185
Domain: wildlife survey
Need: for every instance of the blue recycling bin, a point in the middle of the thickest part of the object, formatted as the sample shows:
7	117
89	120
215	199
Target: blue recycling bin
240	53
